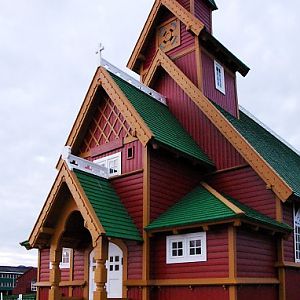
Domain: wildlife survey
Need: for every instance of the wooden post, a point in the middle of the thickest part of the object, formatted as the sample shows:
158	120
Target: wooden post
55	256
232	261
101	255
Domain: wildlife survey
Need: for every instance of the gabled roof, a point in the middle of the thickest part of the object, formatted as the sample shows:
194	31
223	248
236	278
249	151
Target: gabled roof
282	158
190	21
149	118
108	207
278	185
162	123
213	46
204	206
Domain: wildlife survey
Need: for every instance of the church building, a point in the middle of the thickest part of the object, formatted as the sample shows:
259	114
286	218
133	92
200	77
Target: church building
167	188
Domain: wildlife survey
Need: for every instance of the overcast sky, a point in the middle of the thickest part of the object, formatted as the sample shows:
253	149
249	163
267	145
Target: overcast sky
47	60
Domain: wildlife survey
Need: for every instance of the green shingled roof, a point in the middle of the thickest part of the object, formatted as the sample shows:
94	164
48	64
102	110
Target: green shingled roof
108	207
165	127
200	206
278	155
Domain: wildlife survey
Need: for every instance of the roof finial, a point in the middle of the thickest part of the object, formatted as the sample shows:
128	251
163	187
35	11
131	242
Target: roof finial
101	48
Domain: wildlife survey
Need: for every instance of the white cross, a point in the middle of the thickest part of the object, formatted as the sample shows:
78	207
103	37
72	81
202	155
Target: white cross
101	48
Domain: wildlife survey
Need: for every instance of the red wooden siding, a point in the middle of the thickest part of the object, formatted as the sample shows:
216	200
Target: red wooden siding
194	293
292	280
78	263
170	180
203	13
44	264
288	218
65	274
107	125
256	254
77	292
259	292
64	291
228	101
185	4
215	266
135	257
43	293
128	165
246	186
200	128
23	285
134	293
130	190
187	65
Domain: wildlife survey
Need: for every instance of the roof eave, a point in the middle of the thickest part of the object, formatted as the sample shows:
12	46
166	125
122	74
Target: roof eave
210	43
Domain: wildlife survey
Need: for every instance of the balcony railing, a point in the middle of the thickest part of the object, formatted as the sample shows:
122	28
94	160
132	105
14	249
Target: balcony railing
83	164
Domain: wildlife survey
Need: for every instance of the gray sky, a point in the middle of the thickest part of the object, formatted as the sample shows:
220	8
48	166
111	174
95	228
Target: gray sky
47	60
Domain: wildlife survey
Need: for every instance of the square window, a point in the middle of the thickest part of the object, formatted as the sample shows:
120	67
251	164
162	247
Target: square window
186	248
130	153
112	164
65	258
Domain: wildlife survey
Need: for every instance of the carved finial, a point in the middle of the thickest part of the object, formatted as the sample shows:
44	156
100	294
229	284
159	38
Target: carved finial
101	48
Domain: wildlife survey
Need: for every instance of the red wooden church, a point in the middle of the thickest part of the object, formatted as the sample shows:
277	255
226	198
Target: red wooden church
168	190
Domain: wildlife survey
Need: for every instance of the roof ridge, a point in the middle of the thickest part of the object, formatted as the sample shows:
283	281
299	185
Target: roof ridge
134	82
267	128
220	197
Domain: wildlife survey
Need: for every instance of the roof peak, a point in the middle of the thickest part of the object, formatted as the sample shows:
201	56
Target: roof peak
144	88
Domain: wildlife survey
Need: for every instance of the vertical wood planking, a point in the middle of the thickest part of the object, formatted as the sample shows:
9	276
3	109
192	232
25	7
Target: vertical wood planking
259	292
171	179
292	284
204	14
195	293
247	187
227	101
288	218
130	191
197	125
43	293
134	293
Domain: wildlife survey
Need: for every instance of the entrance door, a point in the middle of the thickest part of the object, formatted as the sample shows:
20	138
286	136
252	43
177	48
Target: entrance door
114	271
114	267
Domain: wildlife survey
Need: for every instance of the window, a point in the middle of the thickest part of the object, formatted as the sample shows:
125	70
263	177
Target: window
186	248
33	286
219	78
65	258
297	234
112	163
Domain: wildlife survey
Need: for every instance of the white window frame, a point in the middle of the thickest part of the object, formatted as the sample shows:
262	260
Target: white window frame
185	239
65	258
219	82
33	286
105	161
297	234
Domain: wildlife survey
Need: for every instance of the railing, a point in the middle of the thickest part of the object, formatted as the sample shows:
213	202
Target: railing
157	96
83	164
21	296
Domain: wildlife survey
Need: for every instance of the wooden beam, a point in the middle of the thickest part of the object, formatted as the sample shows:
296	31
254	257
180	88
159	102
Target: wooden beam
262	168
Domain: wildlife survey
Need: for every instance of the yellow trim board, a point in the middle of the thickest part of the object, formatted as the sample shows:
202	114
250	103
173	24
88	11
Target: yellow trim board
103	79
91	220
262	168
188	19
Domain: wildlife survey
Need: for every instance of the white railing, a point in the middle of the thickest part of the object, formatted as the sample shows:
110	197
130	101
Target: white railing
83	164
157	96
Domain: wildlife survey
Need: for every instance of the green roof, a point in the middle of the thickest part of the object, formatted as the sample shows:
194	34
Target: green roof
108	207
165	127
201	206
277	154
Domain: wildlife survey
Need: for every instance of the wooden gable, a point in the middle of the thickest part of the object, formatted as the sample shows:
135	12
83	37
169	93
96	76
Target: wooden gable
107	127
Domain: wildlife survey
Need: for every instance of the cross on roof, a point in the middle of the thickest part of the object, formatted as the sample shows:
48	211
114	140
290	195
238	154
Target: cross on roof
101	48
